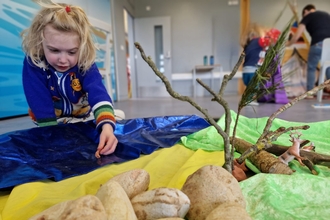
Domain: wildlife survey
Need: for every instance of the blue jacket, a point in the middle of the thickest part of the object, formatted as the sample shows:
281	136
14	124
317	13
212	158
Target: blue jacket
252	52
52	95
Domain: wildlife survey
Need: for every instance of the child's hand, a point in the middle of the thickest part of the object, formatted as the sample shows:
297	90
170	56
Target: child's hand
108	141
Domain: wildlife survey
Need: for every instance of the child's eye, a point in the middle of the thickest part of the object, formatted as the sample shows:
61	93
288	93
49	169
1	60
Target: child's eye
53	50
72	52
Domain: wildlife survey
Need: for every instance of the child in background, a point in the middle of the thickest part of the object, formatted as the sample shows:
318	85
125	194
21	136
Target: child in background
253	50
279	95
60	79
255	43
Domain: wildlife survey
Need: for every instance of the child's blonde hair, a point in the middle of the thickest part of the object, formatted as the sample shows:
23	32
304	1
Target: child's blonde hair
254	30
62	17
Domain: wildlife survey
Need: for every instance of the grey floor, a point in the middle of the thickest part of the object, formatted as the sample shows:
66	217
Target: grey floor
142	108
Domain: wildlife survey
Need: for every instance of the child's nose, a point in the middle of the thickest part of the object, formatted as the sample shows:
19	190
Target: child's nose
62	58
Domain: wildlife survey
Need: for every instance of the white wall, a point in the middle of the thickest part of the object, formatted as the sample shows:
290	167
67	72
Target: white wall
199	27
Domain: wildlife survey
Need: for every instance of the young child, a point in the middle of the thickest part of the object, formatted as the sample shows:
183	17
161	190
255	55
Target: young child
251	43
255	43
60	79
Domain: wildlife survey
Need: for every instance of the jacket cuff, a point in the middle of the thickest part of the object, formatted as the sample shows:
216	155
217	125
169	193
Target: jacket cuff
104	114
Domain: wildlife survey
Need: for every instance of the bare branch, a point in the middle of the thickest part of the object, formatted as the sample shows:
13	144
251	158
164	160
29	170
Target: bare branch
266	142
228	152
290	104
222	102
226	77
228	160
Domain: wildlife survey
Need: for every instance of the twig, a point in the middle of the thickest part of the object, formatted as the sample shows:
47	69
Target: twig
228	160
263	160
273	135
221	101
290	104
226	77
267	136
266	141
228	155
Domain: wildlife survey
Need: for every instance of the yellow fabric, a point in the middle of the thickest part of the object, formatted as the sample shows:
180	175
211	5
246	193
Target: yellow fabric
167	167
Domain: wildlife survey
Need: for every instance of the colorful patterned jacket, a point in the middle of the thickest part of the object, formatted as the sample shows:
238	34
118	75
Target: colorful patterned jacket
52	95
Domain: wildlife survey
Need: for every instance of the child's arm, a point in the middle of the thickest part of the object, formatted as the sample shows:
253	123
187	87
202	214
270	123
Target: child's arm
98	98
37	94
101	103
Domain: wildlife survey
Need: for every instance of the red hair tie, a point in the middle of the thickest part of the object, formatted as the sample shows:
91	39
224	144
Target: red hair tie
67	9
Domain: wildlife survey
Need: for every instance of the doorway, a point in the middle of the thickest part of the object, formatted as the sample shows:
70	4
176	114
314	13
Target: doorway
129	48
154	35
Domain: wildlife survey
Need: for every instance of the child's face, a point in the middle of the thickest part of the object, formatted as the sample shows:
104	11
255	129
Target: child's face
61	48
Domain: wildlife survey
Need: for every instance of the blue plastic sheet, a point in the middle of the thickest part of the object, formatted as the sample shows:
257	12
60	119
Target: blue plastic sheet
62	151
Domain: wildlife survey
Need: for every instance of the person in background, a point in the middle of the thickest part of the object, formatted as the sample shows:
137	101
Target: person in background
256	42
253	49
317	24
61	81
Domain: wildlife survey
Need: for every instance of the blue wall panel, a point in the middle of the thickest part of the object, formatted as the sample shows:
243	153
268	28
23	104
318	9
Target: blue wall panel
15	16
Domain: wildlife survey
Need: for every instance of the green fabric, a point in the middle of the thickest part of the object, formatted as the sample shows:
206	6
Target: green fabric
250	129
298	196
272	196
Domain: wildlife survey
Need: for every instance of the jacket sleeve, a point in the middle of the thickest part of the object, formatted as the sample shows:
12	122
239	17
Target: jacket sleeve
98	98
37	94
